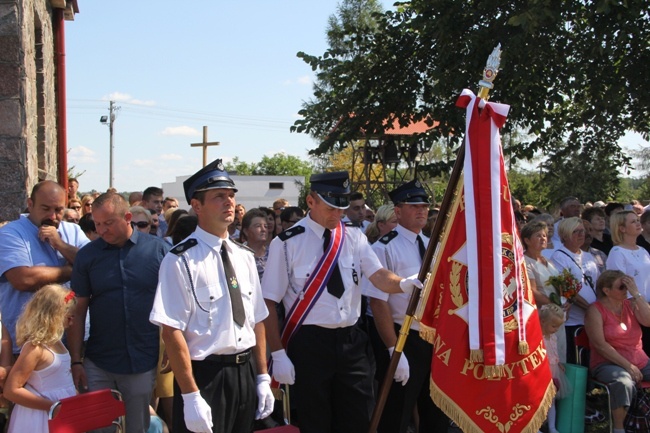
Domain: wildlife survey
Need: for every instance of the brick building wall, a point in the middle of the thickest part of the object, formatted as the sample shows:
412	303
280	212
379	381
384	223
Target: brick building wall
28	130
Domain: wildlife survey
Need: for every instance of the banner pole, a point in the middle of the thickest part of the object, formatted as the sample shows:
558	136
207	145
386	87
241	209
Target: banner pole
485	85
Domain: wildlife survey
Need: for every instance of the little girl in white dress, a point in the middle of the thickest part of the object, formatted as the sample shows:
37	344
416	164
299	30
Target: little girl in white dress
41	375
552	318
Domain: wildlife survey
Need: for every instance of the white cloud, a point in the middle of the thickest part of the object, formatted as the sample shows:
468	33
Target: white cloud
143	162
304	80
125	97
81	154
171	157
181	130
140	102
118	97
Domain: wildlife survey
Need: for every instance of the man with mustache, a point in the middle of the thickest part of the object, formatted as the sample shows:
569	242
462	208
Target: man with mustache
36	249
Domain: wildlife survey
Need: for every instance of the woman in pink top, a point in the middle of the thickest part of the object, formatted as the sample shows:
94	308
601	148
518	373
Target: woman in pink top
613	326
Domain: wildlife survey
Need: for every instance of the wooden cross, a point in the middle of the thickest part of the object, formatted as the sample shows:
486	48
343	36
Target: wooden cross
205	145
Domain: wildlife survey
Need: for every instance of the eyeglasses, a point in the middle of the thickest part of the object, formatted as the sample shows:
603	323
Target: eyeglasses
76	207
88	204
142	224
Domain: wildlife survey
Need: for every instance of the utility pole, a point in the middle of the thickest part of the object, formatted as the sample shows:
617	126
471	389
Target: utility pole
108	120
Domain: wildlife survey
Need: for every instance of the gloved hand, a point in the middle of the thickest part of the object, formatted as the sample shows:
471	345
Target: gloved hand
402	370
197	412
265	399
283	370
408	284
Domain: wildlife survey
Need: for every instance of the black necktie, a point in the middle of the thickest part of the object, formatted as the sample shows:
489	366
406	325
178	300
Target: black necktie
238	313
421	247
335	283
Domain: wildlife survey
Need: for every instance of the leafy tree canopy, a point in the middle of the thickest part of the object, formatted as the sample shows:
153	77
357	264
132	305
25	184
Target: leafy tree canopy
279	164
574	73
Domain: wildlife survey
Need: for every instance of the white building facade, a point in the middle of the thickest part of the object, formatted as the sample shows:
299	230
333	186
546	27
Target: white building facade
253	191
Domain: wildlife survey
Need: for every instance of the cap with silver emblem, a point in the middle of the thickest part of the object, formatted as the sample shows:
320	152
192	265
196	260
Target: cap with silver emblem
410	193
333	188
212	176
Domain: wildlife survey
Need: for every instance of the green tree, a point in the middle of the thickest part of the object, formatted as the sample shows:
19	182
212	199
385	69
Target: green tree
572	71
281	164
242	168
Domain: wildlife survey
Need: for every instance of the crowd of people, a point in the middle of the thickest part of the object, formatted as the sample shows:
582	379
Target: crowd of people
605	248
183	310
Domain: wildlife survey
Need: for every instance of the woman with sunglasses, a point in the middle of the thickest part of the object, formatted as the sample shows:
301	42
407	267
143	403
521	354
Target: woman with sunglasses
583	267
613	326
626	256
141	219
87	204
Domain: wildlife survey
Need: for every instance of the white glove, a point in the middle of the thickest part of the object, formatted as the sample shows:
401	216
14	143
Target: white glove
283	370
408	284
402	370
265	399
197	412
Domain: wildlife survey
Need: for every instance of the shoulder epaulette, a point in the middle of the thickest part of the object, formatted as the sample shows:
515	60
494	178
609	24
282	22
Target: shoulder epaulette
291	232
184	246
351	224
242	246
388	237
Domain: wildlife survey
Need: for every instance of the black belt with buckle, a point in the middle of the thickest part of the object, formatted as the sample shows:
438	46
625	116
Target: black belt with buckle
237	358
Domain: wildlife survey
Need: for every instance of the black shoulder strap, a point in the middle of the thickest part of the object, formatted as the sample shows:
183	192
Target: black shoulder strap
184	246
388	237
291	232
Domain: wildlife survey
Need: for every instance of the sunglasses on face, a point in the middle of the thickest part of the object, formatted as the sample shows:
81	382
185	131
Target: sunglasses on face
142	224
76	207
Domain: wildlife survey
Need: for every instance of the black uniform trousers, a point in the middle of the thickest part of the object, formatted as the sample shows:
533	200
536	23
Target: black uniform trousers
231	391
401	400
333	389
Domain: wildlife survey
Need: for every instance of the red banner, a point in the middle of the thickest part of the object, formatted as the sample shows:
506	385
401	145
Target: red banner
489	371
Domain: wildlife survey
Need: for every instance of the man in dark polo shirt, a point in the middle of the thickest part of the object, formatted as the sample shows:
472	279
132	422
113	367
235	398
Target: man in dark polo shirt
115	278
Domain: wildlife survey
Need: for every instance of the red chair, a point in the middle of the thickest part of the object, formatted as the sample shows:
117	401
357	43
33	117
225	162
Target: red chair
89	411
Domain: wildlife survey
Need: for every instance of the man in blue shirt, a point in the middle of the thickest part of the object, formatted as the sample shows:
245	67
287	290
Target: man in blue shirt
36	249
115	278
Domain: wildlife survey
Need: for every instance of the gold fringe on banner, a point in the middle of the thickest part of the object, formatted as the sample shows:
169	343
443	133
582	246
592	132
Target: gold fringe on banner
523	348
465	420
494	370
427	333
476	355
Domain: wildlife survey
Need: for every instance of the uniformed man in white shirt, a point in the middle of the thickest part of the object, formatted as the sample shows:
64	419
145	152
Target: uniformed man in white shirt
402	251
314	268
211	309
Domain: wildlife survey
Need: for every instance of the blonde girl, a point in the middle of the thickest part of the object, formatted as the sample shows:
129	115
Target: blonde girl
551	317
41	375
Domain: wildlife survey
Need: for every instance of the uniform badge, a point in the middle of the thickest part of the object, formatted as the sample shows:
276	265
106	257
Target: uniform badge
418	184
233	282
220	166
346	183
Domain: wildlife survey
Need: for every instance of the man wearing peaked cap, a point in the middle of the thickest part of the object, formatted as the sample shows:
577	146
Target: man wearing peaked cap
402	251
410	193
333	188
314	269
210	307
212	176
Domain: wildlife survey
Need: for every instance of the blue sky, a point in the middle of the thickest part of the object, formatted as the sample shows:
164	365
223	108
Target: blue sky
174	67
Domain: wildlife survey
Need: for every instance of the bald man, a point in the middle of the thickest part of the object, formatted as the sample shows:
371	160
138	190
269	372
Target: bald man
36	249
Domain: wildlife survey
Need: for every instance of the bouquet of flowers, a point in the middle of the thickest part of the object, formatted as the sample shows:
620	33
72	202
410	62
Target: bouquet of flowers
566	285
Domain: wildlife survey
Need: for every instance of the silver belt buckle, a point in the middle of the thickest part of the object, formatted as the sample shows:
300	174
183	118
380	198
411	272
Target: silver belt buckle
240	358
